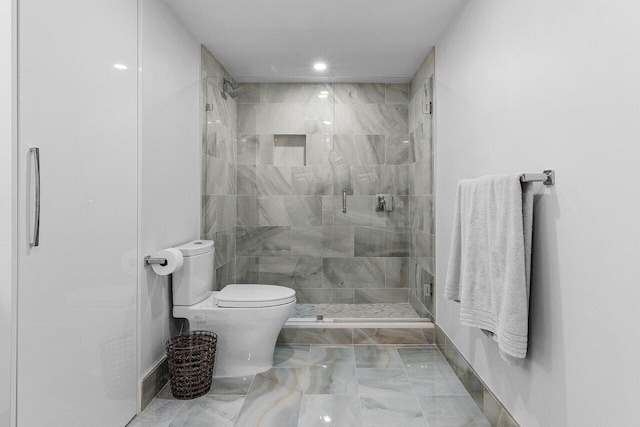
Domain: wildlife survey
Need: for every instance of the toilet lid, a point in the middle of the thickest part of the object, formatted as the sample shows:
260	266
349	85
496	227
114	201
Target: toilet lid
254	296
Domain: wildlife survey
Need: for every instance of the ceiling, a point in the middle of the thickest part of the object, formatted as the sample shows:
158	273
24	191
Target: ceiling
280	40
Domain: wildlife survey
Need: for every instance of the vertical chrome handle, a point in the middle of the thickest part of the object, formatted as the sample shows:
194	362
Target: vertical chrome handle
35	238
344	200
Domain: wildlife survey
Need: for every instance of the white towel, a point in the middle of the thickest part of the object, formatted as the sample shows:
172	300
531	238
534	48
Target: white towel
490	262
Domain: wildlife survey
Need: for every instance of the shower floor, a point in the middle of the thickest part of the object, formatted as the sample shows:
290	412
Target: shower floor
355	311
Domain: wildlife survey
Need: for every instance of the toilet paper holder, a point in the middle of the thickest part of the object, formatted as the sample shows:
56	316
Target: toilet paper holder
148	261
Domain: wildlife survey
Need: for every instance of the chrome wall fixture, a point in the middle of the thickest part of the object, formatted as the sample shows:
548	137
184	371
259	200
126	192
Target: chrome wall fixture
35	238
548	177
148	261
344	200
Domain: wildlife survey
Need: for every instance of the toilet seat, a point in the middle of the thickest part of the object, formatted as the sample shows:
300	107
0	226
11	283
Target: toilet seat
253	296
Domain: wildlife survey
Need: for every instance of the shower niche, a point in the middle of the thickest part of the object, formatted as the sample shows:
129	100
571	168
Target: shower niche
289	150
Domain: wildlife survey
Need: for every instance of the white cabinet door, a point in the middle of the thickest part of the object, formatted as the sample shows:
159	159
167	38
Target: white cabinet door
77	91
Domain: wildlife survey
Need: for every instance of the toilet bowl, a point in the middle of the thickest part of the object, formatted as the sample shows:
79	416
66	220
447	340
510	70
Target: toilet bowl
246	318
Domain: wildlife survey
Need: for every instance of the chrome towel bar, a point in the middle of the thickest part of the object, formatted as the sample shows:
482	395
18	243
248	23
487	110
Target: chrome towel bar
548	177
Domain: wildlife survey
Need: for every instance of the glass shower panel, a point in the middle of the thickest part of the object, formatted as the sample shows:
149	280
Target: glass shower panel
301	144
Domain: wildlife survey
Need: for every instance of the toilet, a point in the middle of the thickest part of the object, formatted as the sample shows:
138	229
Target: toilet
246	318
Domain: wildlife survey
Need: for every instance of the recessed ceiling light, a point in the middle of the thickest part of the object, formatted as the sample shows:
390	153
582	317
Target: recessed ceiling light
319	66
120	66
326	122
324	92
322	95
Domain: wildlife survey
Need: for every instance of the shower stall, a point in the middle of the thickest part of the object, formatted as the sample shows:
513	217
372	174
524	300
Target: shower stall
323	186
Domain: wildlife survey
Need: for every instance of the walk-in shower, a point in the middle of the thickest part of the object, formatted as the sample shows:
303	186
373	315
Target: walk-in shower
309	163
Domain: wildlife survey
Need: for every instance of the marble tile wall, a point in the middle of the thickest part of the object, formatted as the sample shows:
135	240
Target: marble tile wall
290	227
420	199
219	169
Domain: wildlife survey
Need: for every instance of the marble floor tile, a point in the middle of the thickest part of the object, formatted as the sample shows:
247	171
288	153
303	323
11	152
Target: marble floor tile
324	355
438	386
291	356
425	362
387	398
452	411
231	385
377	357
330	410
160	412
209	410
274	399
332	378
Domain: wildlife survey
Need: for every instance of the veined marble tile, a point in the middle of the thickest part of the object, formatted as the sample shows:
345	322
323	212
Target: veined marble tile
345	119
422	184
360	211
366	180
423	73
401	178
307	241
370	296
293	118
332	378
247	147
297	273
337	242
225	275
247	210
397	272
217	213
290	210
313	295
341	179
273	180
220	177
315	336
225	242
438	386
319	149
382	242
342	296
392	336
375	356
354	272
326	355
425	362
451	411
247	118
231	385
312	180
160	412
387	399
421	245
263	241
359	149
247	270
399	216
397	149
380	119
220	141
322	410
291	356
296	93
274	399
209	410
360	93
246	179
397	93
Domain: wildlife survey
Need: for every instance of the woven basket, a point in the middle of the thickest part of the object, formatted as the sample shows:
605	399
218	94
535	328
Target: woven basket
191	358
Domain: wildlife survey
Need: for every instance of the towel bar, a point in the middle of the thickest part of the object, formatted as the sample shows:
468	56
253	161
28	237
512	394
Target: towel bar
548	177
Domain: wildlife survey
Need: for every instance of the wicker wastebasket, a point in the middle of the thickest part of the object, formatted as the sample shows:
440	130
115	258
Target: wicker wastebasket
191	359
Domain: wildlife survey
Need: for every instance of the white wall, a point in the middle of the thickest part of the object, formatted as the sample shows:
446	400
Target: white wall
6	206
169	162
524	86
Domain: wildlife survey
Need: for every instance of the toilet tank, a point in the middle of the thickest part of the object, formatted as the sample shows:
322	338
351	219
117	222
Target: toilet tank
193	282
